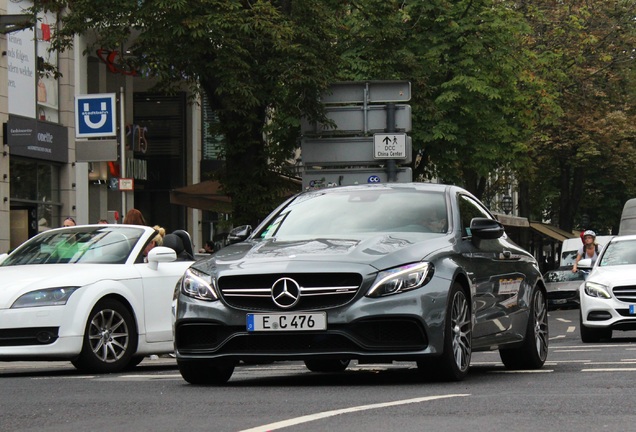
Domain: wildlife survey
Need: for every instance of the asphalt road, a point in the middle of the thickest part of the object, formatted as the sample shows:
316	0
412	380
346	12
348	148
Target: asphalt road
582	387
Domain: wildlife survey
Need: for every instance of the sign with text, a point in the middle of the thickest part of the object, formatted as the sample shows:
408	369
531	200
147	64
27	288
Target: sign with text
21	64
389	146
126	184
37	139
95	115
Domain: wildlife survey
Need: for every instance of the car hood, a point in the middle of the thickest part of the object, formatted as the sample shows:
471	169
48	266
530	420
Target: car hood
614	275
381	251
17	280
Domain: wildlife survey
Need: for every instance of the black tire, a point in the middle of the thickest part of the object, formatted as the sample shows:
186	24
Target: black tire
592	335
205	372
110	339
327	365
134	362
454	362
534	350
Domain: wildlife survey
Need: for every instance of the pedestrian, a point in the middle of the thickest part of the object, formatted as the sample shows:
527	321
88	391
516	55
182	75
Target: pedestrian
590	249
69	222
134	217
209	246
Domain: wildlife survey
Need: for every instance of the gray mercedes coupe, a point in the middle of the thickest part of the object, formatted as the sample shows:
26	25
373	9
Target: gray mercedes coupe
373	273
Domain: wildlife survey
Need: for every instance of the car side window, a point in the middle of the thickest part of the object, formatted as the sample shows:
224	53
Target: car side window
469	209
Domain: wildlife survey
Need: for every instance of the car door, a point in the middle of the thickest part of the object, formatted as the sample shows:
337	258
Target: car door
158	289
495	271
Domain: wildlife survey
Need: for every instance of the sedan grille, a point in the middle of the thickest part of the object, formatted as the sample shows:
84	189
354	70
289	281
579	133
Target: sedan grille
365	336
626	293
317	290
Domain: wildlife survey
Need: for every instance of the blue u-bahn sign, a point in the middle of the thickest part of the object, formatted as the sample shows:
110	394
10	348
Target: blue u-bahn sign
95	115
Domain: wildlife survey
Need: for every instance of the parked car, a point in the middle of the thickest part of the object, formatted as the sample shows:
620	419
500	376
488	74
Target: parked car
373	273
562	287
86	295
608	296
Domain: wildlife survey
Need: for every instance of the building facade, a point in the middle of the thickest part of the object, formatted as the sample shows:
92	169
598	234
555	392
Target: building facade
47	174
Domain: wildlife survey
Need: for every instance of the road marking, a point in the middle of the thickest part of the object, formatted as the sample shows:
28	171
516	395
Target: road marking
571	329
576	350
528	371
557	337
564	320
610	370
325	414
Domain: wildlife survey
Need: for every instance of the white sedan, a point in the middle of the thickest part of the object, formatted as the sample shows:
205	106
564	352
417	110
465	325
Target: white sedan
608	296
89	295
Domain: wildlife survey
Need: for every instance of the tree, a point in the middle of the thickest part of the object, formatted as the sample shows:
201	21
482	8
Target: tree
584	150
467	66
251	59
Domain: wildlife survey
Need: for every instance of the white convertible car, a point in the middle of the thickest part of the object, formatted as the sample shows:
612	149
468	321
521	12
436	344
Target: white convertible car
89	294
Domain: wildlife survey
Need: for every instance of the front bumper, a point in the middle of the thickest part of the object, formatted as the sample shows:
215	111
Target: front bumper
40	333
405	326
606	313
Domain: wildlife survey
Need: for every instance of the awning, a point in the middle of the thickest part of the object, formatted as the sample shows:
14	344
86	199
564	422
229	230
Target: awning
206	195
551	231
512	221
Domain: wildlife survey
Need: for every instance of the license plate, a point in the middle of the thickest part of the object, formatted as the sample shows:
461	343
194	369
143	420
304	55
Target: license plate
632	309
287	321
560	301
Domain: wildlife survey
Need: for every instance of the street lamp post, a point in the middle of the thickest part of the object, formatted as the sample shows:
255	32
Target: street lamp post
506	204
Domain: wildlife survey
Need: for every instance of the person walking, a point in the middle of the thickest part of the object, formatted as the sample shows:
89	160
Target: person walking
69	222
134	217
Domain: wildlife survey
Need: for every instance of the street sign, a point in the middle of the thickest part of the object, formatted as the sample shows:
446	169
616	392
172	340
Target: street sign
126	184
357	150
359	119
95	115
360	92
389	146
316	179
95	150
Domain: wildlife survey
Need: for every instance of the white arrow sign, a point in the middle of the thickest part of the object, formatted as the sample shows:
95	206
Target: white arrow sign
389	146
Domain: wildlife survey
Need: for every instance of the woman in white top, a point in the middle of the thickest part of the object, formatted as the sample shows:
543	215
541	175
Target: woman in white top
590	249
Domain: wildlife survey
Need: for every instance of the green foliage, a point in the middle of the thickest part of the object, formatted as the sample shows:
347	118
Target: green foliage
539	91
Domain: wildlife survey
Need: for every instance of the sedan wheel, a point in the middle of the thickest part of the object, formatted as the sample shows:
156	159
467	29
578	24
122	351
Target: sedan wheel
591	335
455	359
205	372
534	351
110	339
328	365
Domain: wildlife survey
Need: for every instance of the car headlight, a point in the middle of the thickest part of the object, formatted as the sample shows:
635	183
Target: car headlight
198	285
594	289
44	297
401	279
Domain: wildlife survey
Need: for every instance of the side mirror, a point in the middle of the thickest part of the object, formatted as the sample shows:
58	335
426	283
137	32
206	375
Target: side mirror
239	233
160	254
585	264
485	228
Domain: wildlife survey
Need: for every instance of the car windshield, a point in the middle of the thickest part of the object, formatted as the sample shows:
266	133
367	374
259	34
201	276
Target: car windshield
337	213
82	244
621	252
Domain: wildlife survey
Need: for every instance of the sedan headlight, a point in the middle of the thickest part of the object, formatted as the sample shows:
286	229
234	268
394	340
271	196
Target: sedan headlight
594	289
401	279
198	285
44	297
